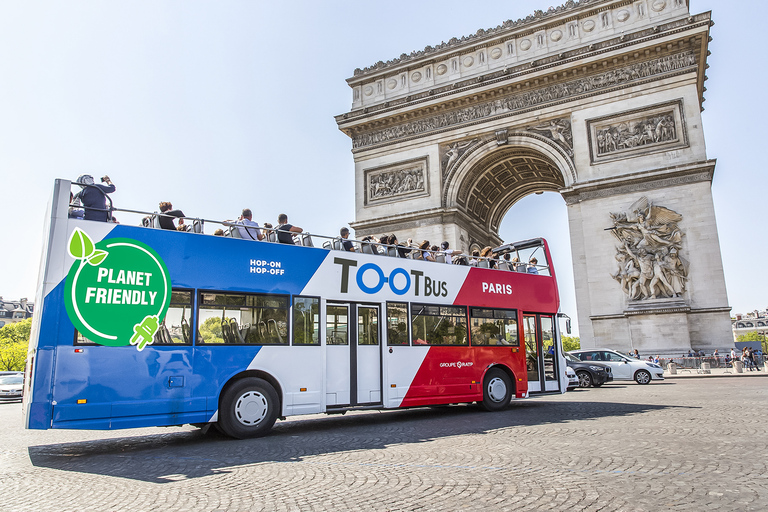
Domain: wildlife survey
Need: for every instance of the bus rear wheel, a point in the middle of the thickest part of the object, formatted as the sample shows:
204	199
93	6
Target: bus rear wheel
248	408
497	390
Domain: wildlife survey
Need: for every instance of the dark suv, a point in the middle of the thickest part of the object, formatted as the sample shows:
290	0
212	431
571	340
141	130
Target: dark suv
588	372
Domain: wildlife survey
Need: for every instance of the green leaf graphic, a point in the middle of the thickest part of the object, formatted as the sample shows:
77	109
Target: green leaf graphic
97	257
80	245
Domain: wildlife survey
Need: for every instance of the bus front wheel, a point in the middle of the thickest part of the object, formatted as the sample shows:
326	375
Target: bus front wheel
497	390
248	408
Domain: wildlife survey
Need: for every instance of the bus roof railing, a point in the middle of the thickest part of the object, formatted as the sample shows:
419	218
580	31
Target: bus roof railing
304	238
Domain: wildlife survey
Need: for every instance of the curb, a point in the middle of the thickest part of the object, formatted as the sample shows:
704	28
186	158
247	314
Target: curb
715	376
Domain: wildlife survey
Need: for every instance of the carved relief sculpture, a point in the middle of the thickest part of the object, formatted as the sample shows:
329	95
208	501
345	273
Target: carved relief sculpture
454	152
636	133
559	130
648	259
395	182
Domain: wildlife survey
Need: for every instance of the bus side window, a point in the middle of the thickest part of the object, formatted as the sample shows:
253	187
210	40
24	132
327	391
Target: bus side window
235	319
174	327
439	325
397	323
494	327
306	321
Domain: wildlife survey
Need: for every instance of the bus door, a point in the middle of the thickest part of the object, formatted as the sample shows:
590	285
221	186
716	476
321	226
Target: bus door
353	354
541	353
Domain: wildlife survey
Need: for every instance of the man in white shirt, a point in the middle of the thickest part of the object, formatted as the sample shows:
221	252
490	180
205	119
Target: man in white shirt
248	229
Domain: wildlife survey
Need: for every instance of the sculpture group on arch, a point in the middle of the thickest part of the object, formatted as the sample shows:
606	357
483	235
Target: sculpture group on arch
649	262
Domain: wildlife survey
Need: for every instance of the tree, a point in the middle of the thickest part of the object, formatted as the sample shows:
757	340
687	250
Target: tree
571	343
14	341
754	336
210	330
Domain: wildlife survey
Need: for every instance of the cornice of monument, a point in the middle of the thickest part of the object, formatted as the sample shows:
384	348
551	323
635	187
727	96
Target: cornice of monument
640	181
524	26
643	30
352	123
527	100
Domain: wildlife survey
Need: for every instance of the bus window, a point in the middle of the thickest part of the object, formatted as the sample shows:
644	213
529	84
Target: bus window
367	325
234	319
306	321
336	319
438	325
548	348
531	348
397	323
494	327
174	328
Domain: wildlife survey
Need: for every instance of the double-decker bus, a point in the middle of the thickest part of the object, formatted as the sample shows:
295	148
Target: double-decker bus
138	327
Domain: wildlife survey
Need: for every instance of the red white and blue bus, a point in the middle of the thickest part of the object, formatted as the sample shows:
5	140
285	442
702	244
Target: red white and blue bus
139	327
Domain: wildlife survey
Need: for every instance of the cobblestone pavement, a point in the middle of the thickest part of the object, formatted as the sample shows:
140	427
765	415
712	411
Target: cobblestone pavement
691	444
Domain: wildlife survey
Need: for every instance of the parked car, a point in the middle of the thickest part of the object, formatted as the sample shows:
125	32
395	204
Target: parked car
589	373
11	386
622	367
573	380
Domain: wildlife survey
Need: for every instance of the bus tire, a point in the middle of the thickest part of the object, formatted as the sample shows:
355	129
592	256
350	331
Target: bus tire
248	408
497	390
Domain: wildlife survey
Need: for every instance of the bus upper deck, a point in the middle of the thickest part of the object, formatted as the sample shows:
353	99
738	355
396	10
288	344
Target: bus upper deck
141	327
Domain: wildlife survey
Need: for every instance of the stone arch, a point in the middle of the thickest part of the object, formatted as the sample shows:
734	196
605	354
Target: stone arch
490	178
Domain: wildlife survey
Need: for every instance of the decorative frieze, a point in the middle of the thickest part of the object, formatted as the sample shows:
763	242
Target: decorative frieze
621	77
403	180
641	131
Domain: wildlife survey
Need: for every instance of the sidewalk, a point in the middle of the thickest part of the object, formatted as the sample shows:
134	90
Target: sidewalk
684	373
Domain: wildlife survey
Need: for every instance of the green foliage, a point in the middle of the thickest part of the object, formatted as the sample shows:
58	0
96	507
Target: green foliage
14	340
754	336
210	330
571	343
751	336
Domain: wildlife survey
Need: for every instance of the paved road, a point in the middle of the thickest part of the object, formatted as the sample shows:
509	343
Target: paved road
691	444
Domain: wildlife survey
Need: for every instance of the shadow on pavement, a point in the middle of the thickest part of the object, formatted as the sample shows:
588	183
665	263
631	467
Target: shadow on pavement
192	454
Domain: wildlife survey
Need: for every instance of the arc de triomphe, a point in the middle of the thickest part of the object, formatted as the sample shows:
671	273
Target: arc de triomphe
599	100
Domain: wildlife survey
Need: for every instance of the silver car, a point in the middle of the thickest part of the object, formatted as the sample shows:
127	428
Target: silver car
622	367
11	386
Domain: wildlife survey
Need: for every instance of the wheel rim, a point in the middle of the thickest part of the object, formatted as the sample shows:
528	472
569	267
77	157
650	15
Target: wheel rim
251	408
643	377
497	389
584	380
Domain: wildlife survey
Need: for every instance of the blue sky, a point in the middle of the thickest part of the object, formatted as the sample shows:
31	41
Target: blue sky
217	106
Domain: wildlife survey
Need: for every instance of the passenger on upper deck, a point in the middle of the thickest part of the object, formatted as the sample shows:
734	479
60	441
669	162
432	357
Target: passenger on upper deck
448	252
486	253
517	266
93	197
426	254
249	230
532	266
473	259
348	245
402	251
74	213
284	230
166	219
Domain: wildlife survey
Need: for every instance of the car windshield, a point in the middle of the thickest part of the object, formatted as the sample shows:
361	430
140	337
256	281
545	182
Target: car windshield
572	359
11	379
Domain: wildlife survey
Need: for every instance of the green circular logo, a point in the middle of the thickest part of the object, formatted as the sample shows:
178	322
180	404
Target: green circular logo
117	291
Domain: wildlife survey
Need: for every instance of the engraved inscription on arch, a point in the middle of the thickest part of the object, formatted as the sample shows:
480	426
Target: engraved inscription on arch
396	182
